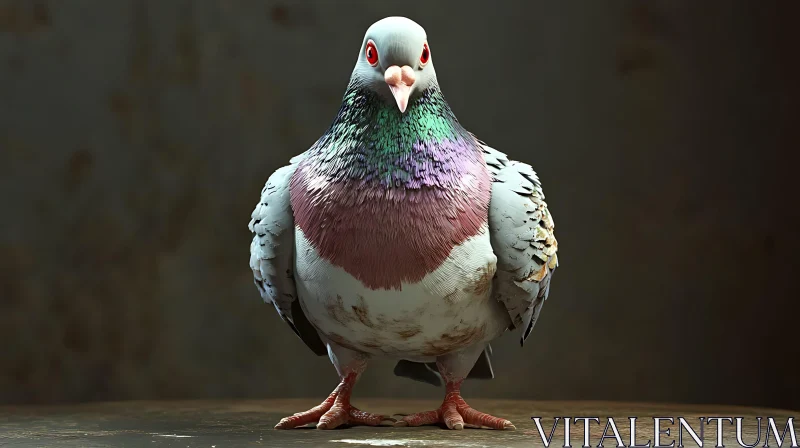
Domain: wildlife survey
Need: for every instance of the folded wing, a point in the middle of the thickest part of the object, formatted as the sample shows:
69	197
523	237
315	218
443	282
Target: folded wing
523	239
272	256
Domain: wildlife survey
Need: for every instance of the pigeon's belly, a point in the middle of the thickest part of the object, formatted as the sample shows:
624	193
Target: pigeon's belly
451	308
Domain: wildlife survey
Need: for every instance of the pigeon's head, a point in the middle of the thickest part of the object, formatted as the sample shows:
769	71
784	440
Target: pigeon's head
395	60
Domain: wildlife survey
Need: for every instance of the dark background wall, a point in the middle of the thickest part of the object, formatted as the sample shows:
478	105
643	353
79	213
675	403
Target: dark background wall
135	137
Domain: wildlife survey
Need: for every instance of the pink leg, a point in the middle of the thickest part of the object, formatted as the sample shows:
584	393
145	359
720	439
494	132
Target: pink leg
336	410
454	413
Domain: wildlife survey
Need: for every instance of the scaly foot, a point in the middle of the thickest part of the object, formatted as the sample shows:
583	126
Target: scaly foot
335	411
455	413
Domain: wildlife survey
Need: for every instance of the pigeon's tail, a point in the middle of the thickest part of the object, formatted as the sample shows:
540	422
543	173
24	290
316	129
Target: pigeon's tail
426	371
418	371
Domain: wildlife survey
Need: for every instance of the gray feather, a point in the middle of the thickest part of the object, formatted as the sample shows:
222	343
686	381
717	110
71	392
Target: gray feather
522	235
426	372
272	255
418	371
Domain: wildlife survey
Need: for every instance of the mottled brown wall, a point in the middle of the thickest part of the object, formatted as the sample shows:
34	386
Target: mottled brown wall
135	137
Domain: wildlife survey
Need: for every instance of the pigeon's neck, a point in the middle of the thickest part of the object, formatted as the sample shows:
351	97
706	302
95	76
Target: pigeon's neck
372	141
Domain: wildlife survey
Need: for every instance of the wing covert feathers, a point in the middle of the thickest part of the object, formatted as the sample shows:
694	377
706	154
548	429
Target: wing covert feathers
523	239
272	255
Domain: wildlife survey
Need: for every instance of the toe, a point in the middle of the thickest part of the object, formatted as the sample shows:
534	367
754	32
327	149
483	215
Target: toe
335	417
419	419
306	417
296	420
359	417
451	417
474	417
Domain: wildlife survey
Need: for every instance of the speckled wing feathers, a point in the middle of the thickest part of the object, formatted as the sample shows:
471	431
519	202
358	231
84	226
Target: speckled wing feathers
523	239
272	255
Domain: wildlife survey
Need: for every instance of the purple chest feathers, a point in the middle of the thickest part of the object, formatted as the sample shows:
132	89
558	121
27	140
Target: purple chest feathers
394	222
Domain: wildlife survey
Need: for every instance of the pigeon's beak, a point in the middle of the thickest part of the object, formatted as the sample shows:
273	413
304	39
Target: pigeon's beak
400	81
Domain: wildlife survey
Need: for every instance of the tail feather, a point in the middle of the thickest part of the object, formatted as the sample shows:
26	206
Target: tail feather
426	372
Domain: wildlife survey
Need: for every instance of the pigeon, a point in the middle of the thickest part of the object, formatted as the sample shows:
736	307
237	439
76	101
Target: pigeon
400	235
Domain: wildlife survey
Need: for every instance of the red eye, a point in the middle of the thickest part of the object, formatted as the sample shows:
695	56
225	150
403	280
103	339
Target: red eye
372	54
426	54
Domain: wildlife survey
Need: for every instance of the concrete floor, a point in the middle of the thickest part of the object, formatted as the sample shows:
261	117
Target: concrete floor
218	424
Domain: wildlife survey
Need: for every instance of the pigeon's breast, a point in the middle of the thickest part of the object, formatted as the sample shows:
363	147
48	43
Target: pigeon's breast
448	309
386	236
